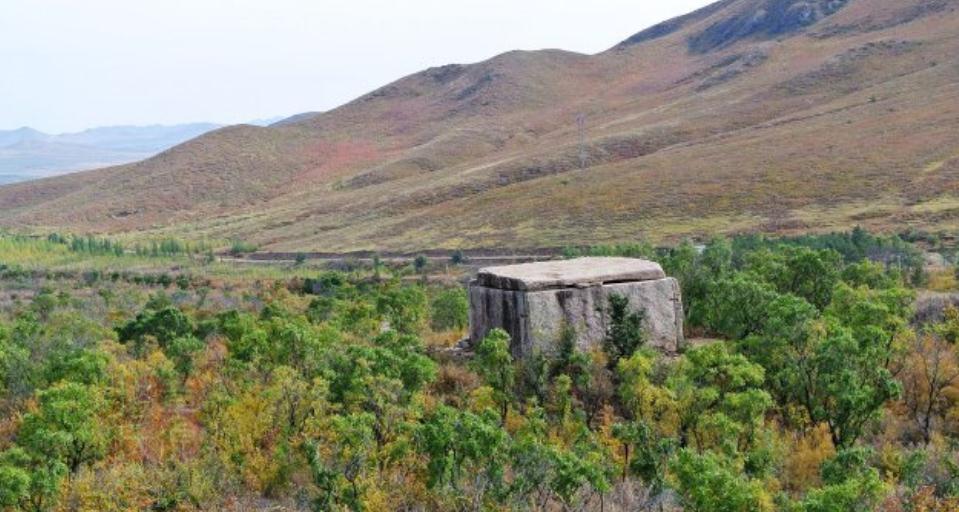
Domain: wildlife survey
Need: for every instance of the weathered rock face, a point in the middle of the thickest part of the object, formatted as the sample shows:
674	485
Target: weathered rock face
763	19
537	302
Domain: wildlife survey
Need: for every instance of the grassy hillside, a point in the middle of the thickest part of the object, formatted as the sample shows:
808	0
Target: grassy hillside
817	116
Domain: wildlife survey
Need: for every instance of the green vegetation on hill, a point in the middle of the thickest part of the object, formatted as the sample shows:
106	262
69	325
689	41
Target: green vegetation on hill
321	390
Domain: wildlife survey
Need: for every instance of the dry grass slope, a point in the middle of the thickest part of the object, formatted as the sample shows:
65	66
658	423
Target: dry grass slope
822	115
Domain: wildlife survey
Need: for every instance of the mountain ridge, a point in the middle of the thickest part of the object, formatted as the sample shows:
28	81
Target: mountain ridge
27	153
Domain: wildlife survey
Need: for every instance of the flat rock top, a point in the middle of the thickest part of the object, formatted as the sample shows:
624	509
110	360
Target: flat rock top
569	273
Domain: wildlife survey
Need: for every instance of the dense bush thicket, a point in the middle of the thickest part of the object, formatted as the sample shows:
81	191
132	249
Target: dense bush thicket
337	393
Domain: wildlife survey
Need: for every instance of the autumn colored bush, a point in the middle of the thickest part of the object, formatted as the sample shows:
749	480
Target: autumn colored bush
822	391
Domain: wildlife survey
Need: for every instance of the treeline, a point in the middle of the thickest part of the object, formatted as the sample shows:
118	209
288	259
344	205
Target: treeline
626	250
94	245
893	251
87	244
854	246
99	277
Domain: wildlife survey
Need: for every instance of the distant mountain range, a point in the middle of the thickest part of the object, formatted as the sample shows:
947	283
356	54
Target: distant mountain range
777	116
26	153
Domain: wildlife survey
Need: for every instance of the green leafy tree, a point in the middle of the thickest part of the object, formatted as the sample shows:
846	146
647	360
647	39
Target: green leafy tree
240	247
533	378
30	480
337	458
405	308
181	351
800	271
377	267
65	426
19	376
875	317
531	461
157	301
163	325
707	482
842	383
919	277
781	345
721	397
321	309
646	453
84	366
736	307
717	257
460	446
640	390
626	333
652	415
834	366
583	467
449	310
546	472
183	282
299	344
494	363
14	483
869	274
683	263
394	356
44	304
57	439
35	354
247	340
849	484
420	264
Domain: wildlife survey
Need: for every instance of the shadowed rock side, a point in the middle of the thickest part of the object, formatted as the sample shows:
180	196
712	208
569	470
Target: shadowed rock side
747	20
539	303
769	18
670	26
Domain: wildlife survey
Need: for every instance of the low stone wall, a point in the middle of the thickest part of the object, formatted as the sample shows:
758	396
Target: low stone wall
536	319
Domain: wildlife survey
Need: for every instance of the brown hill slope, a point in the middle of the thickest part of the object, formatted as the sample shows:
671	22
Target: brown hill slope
775	115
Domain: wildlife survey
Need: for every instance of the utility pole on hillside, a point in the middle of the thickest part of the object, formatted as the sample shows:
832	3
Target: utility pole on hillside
583	153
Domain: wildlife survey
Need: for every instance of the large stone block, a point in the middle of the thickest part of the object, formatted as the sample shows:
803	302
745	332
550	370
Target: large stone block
537	302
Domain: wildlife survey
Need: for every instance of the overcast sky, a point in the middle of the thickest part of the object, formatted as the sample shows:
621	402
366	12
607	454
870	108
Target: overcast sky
71	64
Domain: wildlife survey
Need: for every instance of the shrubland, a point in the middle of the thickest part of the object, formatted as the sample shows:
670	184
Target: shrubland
809	384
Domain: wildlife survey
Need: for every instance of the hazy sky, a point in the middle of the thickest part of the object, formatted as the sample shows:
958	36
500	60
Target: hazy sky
71	64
